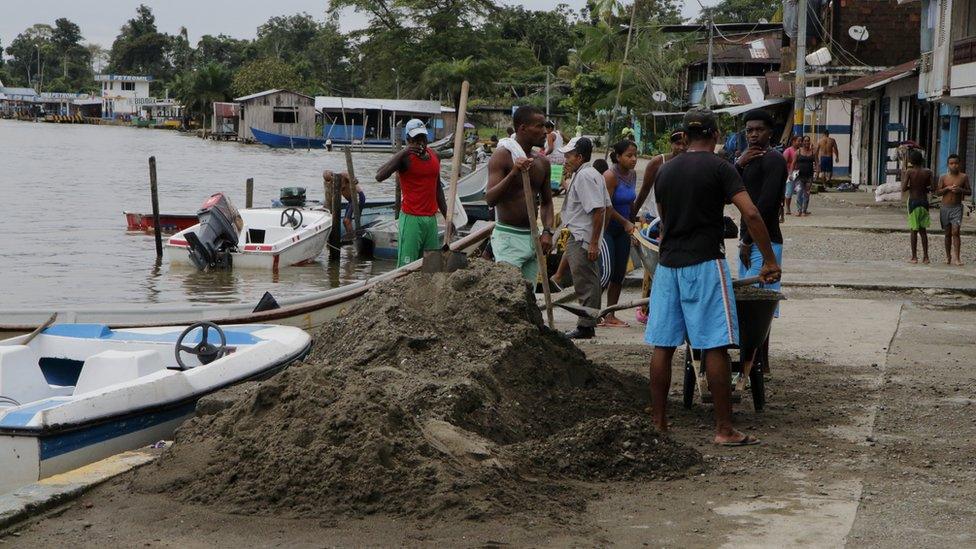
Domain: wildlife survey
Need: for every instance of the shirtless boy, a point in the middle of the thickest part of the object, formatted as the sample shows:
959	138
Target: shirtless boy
917	181
953	186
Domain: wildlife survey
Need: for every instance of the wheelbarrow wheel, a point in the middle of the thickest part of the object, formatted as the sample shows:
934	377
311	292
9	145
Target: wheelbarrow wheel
757	382
690	379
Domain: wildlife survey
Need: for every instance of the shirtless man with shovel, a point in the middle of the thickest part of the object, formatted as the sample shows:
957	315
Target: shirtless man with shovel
511	240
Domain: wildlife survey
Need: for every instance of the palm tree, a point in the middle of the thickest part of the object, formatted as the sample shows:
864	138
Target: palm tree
448	75
200	89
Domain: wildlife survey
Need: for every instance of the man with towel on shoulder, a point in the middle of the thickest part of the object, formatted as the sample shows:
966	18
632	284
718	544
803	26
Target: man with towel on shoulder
511	240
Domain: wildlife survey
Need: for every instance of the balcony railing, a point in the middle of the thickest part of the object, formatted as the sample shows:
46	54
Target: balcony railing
964	51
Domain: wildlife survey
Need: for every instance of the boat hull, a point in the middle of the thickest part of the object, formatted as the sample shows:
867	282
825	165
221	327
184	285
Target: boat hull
169	223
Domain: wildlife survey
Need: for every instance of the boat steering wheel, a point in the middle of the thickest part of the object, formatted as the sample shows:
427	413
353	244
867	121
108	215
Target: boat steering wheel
293	217
205	351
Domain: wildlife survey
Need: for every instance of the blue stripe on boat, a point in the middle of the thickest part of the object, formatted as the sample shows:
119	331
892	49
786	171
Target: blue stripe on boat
21	416
56	445
239	335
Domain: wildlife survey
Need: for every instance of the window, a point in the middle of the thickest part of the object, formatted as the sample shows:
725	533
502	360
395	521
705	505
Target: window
128	86
285	115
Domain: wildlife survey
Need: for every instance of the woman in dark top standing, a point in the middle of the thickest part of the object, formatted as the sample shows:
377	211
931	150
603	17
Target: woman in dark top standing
621	182
804	162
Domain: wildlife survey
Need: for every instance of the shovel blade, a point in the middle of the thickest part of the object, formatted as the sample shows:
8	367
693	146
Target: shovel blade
443	261
580	311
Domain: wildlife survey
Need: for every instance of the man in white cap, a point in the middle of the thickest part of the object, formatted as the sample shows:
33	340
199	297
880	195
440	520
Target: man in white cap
422	195
584	213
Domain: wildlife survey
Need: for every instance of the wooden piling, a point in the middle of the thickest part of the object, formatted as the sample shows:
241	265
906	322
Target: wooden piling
249	193
397	147
353	194
333	200
154	192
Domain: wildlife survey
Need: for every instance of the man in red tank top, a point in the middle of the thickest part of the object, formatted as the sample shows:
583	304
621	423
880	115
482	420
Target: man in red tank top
422	195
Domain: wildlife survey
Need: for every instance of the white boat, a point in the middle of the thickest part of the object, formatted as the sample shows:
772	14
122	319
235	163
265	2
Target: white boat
271	238
385	233
78	393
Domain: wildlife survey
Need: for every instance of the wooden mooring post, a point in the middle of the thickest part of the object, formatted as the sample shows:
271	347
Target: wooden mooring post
353	194
333	200
154	192
249	193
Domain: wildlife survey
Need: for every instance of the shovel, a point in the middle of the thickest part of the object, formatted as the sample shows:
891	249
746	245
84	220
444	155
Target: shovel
445	260
596	314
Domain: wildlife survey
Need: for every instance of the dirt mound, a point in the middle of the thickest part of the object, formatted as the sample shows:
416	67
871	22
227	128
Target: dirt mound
421	400
611	448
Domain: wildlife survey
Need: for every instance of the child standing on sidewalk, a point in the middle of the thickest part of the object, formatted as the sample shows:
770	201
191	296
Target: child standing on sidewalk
918	182
953	186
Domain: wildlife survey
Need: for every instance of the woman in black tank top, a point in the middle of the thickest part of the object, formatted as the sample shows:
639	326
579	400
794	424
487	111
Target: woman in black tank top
804	163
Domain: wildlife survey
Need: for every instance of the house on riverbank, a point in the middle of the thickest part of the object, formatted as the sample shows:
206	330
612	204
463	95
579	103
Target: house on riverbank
123	95
277	111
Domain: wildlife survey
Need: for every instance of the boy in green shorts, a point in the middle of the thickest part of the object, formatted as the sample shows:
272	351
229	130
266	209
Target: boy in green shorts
918	182
422	195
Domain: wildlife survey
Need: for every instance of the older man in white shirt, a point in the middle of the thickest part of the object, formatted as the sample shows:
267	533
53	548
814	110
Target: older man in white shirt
584	213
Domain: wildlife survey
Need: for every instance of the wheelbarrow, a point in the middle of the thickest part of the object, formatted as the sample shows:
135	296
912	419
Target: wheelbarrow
755	313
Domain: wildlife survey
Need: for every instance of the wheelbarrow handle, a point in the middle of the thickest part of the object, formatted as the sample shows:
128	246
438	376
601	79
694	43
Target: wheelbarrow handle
746	281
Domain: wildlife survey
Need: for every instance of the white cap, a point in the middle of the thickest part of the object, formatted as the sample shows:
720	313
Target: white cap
415	127
569	147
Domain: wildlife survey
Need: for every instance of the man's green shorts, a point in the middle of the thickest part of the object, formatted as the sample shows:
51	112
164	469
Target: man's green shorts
514	245
418	233
918	219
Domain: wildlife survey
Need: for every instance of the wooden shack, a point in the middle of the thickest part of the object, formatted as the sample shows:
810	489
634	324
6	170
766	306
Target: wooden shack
277	111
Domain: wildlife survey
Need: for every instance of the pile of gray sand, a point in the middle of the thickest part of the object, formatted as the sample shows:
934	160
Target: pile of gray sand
435	395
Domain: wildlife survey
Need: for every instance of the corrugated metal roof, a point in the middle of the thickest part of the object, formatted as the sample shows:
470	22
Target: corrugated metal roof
268	92
406	106
873	81
735	111
29	92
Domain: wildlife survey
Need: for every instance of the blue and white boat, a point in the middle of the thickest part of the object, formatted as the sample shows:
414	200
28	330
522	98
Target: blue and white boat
78	393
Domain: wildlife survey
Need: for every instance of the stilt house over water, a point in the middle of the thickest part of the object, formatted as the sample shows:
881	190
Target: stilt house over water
278	111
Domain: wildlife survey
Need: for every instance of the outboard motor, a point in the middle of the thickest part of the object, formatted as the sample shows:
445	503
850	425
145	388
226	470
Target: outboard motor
219	232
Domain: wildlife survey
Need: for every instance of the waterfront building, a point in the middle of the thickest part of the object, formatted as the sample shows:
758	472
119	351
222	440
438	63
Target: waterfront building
17	101
357	119
277	111
123	95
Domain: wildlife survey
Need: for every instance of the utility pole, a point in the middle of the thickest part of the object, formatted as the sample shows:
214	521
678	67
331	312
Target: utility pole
800	80
620	79
708	77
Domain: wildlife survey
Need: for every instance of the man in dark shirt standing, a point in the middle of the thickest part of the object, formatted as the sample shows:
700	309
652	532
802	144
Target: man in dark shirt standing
763	171
692	293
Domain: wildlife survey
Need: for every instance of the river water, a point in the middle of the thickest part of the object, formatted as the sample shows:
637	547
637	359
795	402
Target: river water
63	239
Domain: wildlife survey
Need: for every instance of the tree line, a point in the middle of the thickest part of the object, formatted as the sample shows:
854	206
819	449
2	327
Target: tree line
410	48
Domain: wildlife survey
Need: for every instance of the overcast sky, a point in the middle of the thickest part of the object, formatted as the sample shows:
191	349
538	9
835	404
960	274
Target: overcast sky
100	20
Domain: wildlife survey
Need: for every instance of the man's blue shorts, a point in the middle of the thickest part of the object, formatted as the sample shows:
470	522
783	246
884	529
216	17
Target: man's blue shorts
827	164
693	303
755	264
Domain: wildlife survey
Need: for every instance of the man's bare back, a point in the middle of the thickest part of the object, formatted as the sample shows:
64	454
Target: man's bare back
826	147
918	183
953	188
510	208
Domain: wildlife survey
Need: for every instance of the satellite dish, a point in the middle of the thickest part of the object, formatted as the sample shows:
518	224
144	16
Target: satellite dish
764	20
659	96
858	33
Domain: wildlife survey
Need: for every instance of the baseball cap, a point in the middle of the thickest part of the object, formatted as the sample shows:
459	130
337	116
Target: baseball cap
415	127
700	120
581	145
677	135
